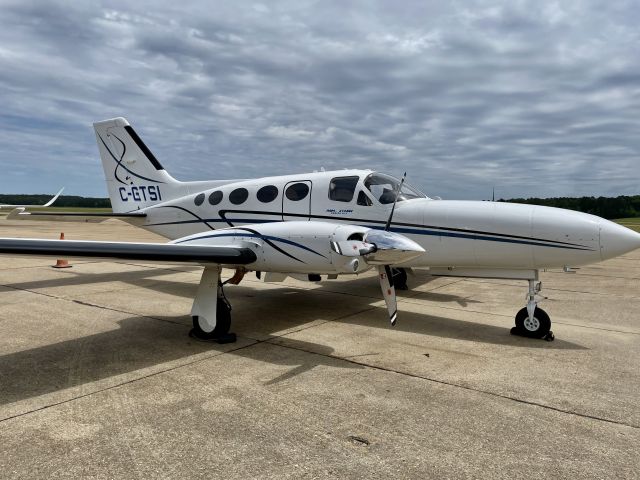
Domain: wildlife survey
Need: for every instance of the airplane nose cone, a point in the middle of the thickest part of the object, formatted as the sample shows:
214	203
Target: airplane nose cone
617	240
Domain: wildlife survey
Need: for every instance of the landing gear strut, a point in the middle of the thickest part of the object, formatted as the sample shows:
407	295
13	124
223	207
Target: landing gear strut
211	311
532	321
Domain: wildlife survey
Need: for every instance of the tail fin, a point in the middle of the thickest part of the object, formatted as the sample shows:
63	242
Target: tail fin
135	178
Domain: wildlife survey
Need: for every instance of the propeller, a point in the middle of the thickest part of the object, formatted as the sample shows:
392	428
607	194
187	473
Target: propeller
380	248
383	248
385	277
382	258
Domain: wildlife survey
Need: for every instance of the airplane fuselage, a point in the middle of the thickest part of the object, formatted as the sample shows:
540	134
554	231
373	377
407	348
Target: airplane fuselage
453	233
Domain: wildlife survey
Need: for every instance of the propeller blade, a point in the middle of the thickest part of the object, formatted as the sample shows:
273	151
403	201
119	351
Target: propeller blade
393	209
388	292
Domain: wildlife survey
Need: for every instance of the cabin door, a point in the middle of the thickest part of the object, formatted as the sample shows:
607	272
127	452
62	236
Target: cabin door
296	200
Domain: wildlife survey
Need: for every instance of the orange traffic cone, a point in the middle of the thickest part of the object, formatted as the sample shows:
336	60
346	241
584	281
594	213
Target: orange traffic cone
60	263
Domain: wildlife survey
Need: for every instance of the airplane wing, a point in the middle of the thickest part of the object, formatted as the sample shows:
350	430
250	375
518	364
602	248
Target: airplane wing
163	252
291	247
48	204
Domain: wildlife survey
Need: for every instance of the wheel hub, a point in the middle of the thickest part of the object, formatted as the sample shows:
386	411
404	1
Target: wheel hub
531	324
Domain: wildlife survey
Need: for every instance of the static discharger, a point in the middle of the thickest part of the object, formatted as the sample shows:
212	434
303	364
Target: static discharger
61	263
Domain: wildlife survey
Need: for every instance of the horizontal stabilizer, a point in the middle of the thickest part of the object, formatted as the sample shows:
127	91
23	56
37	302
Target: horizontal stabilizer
163	252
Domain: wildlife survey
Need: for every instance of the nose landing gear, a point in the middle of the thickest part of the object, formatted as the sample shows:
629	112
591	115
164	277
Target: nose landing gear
532	321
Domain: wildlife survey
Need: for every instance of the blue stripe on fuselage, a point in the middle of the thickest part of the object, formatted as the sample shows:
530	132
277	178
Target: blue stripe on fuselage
412	231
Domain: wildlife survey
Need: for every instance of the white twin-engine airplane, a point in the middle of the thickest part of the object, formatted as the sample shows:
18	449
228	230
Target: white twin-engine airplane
5	206
325	223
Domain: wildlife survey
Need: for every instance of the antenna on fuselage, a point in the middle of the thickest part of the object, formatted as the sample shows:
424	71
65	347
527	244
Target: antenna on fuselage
386	228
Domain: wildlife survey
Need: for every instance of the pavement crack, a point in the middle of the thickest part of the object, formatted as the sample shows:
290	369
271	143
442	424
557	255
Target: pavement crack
111	309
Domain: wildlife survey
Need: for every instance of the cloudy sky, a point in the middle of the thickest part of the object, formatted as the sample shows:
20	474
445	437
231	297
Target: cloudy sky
536	98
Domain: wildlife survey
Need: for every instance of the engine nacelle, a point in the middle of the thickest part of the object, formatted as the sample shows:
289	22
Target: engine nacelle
302	247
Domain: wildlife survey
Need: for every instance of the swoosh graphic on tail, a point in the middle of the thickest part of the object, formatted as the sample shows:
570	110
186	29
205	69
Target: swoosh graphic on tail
119	163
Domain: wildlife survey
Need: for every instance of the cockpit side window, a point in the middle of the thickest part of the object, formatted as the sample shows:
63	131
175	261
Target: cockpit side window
363	199
384	187
342	189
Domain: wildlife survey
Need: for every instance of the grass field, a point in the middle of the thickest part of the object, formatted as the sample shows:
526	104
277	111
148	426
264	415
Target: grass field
632	223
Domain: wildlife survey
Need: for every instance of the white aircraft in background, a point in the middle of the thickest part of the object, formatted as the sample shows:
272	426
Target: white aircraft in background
48	204
325	223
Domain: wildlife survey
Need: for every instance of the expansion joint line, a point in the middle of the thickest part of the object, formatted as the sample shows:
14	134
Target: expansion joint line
87	304
464	387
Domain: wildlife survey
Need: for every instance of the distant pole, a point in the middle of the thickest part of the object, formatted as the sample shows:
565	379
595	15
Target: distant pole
493	195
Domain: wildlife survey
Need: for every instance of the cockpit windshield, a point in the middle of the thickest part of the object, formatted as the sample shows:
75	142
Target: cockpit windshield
383	188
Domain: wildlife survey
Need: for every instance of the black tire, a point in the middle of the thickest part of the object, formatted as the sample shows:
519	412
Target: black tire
223	322
540	326
399	278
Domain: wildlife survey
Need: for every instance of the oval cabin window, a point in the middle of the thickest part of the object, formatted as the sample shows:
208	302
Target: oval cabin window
267	193
238	196
199	199
215	198
297	191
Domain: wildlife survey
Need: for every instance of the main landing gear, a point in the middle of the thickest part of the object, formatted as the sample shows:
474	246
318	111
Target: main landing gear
532	321
211	311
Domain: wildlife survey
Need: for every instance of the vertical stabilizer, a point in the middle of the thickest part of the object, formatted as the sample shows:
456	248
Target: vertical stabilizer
135	178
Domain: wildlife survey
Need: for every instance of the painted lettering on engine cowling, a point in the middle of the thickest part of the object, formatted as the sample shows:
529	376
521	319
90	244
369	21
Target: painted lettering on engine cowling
141	193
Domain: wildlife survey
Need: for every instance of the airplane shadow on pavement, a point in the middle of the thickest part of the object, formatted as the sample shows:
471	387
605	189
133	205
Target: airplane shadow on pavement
269	302
145	341
138	343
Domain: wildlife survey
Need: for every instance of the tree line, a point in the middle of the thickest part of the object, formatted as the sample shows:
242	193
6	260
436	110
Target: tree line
62	201
606	207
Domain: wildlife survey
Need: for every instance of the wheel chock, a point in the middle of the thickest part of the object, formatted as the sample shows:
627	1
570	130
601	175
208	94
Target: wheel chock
222	339
549	337
226	338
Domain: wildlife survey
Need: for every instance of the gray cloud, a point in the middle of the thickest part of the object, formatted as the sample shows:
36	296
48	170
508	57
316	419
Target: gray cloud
536	98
